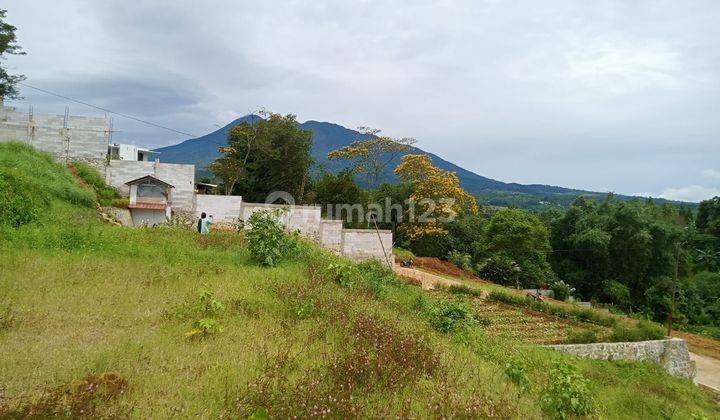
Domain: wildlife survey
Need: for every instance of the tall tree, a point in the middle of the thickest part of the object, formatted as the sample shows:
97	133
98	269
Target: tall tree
266	155
437	195
372	154
8	45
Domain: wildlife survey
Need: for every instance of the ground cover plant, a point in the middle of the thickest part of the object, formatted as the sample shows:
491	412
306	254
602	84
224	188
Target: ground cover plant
99	316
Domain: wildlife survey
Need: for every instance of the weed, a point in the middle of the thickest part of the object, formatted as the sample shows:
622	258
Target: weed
567	393
461	289
581	337
450	316
516	372
267	241
643	330
90	397
343	273
7	316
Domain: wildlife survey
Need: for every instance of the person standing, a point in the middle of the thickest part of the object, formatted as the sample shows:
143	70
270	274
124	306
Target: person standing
205	224
200	222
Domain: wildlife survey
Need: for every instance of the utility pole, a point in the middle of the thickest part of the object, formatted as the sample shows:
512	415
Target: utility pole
674	286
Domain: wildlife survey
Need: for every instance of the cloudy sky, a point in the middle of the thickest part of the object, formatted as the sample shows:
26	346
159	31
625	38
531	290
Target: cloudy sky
617	96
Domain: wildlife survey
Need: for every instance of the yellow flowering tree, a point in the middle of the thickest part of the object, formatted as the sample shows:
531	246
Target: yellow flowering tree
437	195
372	155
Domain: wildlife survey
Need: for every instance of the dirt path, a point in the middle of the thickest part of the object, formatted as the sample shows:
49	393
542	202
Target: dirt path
708	371
427	281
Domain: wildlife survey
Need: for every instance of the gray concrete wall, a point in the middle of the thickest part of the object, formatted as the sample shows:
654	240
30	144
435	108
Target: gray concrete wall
304	219
85	138
331	235
181	176
223	208
146	217
363	244
672	353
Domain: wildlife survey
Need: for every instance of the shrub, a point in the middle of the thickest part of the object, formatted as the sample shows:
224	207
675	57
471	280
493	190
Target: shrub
567	393
267	241
450	316
461	260
500	269
378	277
581	337
562	290
343	273
644	330
515	371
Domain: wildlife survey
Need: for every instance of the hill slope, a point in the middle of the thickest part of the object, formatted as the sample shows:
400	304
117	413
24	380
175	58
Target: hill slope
329	136
94	321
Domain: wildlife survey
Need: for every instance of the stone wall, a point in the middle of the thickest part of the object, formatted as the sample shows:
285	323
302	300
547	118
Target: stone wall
363	244
74	138
304	219
331	235
181	176
671	353
223	208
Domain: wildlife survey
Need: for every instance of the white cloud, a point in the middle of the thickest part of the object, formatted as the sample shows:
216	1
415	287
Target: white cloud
692	193
712	174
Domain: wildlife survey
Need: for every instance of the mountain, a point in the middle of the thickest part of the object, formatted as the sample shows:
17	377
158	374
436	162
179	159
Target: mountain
328	136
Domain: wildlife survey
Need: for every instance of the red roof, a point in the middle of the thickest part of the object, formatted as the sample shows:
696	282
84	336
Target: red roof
151	206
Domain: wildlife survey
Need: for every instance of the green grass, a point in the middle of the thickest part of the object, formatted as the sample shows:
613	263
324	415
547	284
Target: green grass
82	302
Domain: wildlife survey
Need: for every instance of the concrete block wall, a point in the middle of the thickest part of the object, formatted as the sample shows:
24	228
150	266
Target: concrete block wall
672	354
304	219
223	208
363	244
85	138
331	235
181	176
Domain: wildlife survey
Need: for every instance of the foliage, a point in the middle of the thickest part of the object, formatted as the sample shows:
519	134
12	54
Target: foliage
267	242
331	190
461	289
500	269
581	337
561	290
372	154
450	316
436	193
91	176
461	260
8	45
522	238
343	273
568	393
644	330
263	156
121	203
517	373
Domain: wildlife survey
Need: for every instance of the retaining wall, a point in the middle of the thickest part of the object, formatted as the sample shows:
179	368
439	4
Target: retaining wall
74	138
331	235
223	208
181	176
671	353
363	244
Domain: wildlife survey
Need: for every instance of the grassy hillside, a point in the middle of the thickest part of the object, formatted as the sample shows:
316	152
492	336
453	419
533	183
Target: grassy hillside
94	322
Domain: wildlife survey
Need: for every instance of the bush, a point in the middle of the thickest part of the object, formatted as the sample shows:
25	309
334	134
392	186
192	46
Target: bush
449	316
461	289
644	330
343	273
567	393
581	337
267	241
461	260
500	269
562	290
378	277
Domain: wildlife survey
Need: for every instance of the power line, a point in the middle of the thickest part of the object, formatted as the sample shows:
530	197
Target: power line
108	110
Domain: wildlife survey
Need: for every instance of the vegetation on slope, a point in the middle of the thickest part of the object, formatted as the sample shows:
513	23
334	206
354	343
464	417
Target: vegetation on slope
103	323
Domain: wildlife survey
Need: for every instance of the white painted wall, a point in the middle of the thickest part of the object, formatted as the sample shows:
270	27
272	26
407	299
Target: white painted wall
223	208
181	176
363	244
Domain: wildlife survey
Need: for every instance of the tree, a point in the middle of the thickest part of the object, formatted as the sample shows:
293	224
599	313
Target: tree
266	155
8	45
372	155
331	190
516	235
437	195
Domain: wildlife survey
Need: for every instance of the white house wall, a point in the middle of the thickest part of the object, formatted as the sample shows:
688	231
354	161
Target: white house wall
223	208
